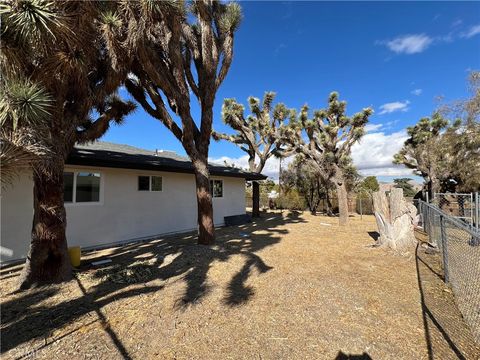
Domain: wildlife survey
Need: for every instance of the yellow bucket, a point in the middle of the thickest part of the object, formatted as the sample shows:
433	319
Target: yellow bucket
75	254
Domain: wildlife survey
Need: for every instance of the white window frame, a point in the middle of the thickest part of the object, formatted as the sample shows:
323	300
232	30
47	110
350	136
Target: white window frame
74	195
149	183
211	188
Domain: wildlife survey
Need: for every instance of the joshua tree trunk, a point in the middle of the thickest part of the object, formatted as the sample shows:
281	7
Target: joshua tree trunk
206	229
342	197
395	219
434	186
47	260
255	199
329	204
312	202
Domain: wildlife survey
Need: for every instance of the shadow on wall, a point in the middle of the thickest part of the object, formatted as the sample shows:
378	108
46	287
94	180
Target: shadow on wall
26	318
446	334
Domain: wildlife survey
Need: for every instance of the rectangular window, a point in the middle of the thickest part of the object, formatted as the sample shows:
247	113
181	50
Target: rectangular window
81	187
216	188
150	183
68	187
88	187
156	183
144	183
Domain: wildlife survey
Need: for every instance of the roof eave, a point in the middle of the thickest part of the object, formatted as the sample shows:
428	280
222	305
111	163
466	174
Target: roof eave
91	161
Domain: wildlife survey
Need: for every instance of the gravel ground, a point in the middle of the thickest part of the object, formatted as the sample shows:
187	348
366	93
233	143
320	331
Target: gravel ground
289	286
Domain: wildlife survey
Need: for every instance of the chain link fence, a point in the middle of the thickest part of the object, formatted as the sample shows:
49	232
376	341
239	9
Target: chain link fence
457	205
459	245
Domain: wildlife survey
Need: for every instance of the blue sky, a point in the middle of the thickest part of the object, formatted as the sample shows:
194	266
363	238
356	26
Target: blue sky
394	56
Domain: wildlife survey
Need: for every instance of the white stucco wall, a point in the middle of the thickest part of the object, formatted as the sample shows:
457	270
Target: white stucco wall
16	209
124	213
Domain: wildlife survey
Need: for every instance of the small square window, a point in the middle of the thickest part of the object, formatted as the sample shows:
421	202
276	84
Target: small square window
88	187
144	183
81	187
156	183
216	188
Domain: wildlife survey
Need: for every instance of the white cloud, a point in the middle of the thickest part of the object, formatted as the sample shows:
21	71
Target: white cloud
474	30
373	155
417	43
456	23
409	44
394	106
417	92
369	128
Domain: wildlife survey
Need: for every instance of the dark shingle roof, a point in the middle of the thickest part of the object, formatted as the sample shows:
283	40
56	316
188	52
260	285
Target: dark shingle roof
111	155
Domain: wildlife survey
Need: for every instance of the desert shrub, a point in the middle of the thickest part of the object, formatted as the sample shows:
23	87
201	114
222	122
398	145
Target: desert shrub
291	200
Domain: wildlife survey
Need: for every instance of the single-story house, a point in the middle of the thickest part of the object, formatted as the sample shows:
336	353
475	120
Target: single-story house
118	193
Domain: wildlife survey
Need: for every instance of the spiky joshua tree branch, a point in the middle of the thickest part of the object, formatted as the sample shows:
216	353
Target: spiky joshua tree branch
327	139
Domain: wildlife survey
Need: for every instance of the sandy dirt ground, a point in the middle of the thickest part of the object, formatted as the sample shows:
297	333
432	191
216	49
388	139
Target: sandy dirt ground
288	286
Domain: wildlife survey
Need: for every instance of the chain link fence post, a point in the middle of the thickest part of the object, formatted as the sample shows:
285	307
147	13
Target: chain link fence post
444	241
477	210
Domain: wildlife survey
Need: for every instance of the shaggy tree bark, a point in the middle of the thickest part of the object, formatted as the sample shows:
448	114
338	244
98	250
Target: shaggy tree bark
395	219
47	259
206	228
70	76
329	206
312	197
159	45
342	197
433	186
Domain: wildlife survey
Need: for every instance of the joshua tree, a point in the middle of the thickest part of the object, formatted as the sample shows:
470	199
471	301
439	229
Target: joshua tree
462	143
256	134
441	151
55	74
22	128
302	174
158	43
331	135
462	139
423	152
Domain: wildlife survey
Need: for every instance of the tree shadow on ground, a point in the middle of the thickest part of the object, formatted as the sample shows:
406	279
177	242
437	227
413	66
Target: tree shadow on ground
28	316
446	334
375	235
342	356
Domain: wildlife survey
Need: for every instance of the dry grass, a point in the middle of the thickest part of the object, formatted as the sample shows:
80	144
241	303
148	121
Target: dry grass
290	286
